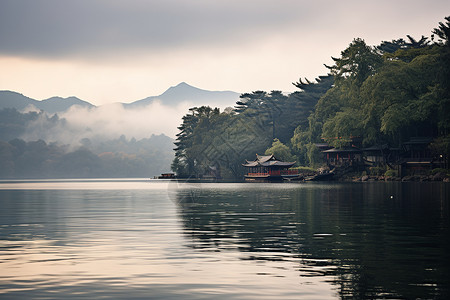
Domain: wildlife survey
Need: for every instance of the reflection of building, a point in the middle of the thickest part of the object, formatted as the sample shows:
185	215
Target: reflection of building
268	168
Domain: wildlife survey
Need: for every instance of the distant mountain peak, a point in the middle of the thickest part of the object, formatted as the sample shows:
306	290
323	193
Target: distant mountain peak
184	92
181	88
61	99
173	96
181	84
9	99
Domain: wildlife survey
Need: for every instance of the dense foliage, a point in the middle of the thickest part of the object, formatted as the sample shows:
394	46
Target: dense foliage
383	95
210	140
373	95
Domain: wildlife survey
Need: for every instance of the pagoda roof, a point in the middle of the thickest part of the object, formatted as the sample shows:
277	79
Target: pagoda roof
344	150
323	146
378	148
374	148
419	140
267	161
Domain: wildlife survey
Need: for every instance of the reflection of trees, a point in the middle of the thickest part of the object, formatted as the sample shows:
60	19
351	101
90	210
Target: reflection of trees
374	245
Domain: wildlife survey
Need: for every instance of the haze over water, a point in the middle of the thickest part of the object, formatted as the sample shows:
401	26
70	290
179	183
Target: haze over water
164	240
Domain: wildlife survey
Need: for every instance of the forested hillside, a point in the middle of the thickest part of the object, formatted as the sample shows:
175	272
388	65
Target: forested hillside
374	95
211	140
86	158
384	95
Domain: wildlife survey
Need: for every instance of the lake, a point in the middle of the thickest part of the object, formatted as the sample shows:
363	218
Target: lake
153	239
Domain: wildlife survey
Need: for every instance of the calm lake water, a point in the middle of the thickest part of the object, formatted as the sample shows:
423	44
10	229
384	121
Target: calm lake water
142	239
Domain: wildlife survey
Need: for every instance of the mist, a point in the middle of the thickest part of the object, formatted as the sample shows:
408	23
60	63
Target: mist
107	122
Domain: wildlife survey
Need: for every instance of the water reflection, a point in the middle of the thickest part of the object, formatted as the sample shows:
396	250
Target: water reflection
224	241
372	240
124	243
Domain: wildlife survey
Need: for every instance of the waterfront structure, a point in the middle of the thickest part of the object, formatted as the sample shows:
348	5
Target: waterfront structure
418	157
268	168
348	156
381	155
167	176
414	157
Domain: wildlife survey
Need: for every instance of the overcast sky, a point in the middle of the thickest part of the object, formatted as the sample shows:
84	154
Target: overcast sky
120	51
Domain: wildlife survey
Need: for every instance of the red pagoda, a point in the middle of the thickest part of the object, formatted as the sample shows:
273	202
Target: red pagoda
268	168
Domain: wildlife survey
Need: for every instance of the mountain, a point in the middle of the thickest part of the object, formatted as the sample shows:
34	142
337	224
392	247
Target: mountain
58	104
9	99
184	92
173	96
15	100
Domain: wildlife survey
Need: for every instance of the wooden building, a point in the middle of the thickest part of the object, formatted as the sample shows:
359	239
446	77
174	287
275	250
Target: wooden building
268	168
417	149
381	155
418	158
348	156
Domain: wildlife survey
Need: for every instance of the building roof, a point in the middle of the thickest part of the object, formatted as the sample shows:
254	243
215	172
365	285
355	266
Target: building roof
377	148
381	148
263	159
323	146
343	150
267	161
419	140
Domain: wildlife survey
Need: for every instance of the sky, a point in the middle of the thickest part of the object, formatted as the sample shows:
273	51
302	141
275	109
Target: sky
106	51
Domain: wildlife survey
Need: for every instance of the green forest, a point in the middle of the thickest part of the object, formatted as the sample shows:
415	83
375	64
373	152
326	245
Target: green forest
373	95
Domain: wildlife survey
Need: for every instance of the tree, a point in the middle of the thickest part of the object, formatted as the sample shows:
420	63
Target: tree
400	44
443	32
405	98
356	63
340	130
267	107
443	89
391	47
319	98
280	151
187	141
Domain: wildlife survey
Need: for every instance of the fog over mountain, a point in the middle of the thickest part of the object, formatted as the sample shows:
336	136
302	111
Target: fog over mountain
9	99
108	122
139	119
71	138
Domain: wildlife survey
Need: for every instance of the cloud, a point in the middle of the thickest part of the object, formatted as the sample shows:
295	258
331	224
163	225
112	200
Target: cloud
121	50
104	29
92	27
